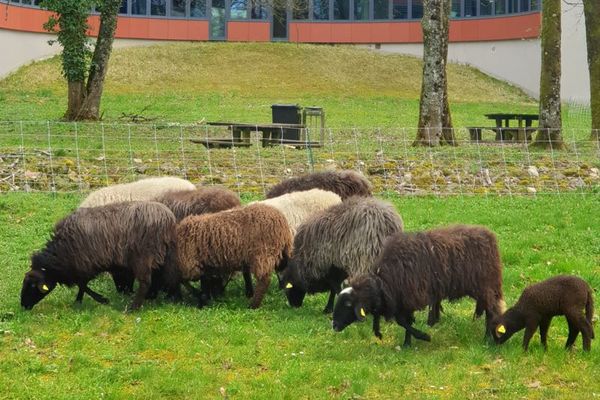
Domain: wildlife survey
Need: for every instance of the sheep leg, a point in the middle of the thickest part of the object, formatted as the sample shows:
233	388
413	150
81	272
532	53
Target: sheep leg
544	326
377	326
530	328
80	294
329	307
573	332
434	314
96	296
248	283
262	284
586	329
406	321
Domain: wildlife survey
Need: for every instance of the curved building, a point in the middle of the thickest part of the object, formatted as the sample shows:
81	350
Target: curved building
500	37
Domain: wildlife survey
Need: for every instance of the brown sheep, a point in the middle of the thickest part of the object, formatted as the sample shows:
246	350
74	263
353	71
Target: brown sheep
344	183
255	240
560	295
199	201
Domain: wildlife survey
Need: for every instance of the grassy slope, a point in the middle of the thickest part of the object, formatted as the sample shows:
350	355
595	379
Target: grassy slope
229	81
169	351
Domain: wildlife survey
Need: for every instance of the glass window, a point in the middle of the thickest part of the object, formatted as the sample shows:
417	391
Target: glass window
238	9
455	11
381	9
123	9
417	9
158	7
513	6
25	1
361	9
470	8
485	7
535	5
178	8
258	9
300	9
500	7
341	9
138	7
400	9
321	9
524	5
198	8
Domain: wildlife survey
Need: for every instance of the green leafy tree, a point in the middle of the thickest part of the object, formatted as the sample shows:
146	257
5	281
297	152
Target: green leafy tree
84	63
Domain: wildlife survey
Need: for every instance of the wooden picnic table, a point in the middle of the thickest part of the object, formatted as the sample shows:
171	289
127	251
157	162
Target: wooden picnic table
517	133
271	134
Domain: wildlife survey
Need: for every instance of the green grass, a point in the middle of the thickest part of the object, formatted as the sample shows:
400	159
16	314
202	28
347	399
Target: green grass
188	82
177	351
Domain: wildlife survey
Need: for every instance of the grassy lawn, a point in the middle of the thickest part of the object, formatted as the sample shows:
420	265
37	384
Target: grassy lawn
226	350
189	82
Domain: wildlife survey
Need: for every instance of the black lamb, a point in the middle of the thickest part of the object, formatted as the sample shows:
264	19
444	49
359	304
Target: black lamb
560	295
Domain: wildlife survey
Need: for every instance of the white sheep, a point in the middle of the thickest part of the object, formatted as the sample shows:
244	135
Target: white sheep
297	207
142	190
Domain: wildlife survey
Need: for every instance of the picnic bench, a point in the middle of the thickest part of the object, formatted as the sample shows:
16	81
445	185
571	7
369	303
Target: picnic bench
503	130
289	127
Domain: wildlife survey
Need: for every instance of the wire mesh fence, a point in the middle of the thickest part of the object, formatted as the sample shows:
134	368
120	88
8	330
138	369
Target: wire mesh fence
78	157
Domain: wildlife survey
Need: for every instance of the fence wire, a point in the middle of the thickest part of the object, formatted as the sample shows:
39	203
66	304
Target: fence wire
79	157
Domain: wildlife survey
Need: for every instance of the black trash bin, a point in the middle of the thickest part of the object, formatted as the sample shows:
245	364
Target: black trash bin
287	114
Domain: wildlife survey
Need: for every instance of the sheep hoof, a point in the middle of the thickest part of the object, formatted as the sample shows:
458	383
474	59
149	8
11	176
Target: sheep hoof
379	336
328	310
103	300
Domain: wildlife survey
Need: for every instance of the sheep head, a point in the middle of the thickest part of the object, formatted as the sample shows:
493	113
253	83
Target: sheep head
36	285
291	283
348	309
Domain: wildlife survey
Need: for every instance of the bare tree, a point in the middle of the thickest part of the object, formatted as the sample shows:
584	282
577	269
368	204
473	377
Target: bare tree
591	9
435	123
549	135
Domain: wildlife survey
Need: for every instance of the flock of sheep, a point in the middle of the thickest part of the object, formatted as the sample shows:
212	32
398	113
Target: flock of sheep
322	232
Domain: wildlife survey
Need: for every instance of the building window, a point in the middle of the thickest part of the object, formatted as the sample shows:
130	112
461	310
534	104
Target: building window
238	9
486	7
321	9
341	9
381	9
198	8
524	5
177	8
158	7
535	5
455	10
300	9
417	9
361	10
123	9
138	7
513	6
500	7
470	8
400	9
258	9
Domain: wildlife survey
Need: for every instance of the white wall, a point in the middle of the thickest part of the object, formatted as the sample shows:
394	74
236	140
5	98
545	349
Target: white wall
20	48
575	80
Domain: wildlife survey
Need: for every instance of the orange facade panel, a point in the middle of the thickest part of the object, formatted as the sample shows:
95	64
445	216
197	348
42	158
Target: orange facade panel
522	26
248	31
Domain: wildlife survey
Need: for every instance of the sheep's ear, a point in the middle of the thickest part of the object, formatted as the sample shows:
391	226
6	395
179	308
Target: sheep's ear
360	312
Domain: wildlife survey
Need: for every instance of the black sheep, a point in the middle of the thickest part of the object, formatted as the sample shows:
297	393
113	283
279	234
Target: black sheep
560	295
416	270
132	236
344	183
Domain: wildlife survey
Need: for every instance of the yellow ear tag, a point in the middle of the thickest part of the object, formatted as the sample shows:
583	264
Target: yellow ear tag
501	329
362	312
289	286
45	288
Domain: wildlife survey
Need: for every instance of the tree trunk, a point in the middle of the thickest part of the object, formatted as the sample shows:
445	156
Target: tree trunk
591	9
550	118
95	84
76	93
448	131
433	105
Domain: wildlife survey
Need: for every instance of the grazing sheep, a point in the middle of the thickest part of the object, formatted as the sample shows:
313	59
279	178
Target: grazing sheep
255	240
296	207
561	295
132	236
199	201
345	183
342	241
143	190
416	270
